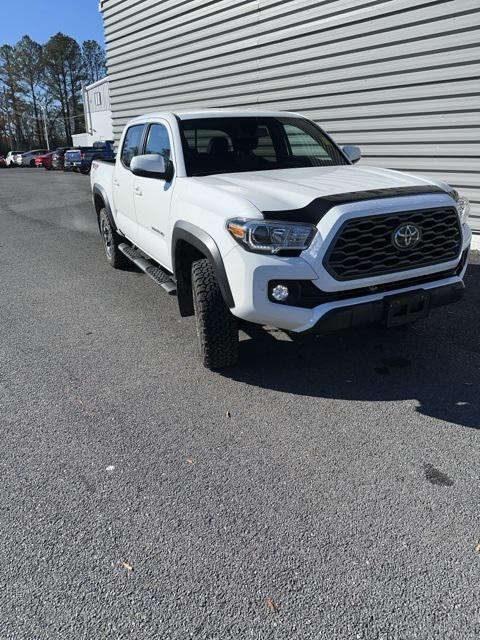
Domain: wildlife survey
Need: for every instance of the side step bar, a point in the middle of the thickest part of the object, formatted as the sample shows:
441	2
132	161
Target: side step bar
157	274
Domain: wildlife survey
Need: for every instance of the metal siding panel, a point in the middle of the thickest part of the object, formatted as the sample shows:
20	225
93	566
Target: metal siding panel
393	122
407	163
228	25
320	83
285	46
426	150
370	49
399	77
426	135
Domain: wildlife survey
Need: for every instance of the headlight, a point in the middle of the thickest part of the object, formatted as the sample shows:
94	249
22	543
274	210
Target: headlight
463	206
265	236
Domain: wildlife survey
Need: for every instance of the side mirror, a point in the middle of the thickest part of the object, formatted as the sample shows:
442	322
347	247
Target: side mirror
352	152
152	165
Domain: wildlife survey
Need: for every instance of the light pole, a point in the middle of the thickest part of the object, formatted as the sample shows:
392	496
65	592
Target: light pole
44	111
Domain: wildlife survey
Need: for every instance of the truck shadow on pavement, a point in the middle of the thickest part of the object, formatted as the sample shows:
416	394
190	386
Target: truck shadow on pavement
435	362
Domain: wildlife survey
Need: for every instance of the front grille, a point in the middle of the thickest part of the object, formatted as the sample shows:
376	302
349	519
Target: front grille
363	247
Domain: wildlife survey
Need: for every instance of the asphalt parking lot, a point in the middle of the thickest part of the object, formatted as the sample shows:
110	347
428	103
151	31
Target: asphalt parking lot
325	488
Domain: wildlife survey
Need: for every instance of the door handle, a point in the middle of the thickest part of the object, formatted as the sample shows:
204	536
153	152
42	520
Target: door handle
137	191
116	183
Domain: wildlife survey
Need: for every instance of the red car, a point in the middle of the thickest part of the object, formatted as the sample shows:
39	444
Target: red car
2	162
45	160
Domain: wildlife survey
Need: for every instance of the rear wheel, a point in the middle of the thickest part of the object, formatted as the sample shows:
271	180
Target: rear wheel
111	241
217	327
32	163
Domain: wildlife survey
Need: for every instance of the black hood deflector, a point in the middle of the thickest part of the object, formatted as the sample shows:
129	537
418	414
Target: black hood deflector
315	210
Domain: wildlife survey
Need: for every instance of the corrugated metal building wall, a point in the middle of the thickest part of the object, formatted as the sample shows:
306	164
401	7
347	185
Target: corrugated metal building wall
401	78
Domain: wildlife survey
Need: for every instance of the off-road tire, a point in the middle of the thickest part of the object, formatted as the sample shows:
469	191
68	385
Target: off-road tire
217	327
111	240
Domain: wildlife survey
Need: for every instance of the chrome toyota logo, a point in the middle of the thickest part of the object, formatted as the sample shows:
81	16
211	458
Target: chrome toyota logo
407	236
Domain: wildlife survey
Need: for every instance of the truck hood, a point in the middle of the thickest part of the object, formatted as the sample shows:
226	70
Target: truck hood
295	188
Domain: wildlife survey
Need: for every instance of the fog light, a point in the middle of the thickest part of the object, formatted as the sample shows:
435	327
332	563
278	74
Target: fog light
280	293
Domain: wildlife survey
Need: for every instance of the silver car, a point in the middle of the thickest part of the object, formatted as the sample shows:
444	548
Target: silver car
27	158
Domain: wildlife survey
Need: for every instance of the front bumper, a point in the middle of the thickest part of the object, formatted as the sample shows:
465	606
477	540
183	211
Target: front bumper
374	312
250	274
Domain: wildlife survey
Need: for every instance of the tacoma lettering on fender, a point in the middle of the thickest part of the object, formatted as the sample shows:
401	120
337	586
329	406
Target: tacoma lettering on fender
260	216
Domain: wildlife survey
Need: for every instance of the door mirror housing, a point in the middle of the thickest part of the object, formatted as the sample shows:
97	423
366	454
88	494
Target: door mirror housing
152	165
352	152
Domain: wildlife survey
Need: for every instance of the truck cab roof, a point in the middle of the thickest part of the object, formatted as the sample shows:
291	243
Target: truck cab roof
212	113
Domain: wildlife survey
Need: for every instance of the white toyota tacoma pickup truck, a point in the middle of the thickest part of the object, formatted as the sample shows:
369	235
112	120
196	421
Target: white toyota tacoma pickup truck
259	216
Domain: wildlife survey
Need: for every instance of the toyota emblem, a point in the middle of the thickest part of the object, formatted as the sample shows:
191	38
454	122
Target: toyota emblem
407	236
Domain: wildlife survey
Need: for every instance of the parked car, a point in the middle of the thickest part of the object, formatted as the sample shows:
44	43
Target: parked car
68	166
45	160
27	158
58	158
10	159
3	163
81	159
260	216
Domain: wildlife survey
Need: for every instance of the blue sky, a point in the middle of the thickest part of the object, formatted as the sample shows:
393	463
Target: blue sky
41	19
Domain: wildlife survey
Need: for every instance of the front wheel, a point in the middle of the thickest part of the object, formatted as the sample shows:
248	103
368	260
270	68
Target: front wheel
111	240
217	327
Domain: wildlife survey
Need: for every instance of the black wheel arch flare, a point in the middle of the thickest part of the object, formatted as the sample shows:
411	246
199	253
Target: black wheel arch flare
200	244
99	191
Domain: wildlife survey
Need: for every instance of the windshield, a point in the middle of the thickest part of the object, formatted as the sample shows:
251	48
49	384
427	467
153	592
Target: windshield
237	144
